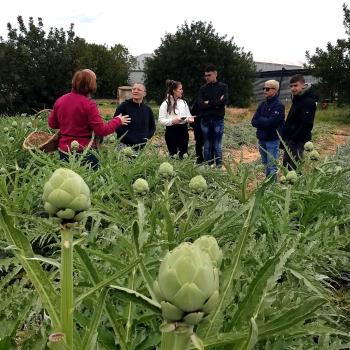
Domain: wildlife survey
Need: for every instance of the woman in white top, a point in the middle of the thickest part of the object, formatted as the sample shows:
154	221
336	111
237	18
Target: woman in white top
175	114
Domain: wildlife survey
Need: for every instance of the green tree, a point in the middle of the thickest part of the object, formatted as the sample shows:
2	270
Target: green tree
111	66
36	68
183	56
332	66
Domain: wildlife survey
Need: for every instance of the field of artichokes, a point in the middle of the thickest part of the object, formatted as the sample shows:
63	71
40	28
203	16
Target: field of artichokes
156	253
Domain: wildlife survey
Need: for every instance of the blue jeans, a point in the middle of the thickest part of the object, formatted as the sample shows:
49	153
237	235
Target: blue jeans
269	155
213	130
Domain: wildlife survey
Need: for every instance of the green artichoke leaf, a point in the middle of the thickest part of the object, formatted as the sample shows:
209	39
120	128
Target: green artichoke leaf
171	312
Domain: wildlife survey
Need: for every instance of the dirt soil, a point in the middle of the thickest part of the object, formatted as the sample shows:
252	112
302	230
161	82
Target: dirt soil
325	145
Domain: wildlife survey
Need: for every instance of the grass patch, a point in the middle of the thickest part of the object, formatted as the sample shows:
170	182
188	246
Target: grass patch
333	115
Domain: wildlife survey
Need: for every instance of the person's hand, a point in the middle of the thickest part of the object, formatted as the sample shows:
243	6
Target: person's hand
190	119
125	119
222	97
176	120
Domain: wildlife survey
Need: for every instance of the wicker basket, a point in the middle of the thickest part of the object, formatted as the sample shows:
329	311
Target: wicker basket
40	139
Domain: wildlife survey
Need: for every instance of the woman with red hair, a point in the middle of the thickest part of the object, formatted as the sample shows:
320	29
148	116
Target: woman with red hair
78	118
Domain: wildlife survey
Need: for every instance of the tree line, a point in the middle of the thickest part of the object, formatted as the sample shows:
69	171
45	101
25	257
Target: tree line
36	66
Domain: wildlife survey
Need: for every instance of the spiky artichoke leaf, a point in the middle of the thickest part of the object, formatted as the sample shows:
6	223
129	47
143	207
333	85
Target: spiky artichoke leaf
66	214
211	303
171	312
59	198
193	318
189	298
169	283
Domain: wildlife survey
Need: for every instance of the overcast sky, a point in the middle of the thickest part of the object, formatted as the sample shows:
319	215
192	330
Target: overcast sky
273	30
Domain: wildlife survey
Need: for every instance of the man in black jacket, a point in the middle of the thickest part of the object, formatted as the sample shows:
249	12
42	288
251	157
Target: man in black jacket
142	125
269	120
212	99
300	120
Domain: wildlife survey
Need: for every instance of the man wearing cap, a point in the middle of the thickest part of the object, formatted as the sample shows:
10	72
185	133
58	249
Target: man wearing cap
269	120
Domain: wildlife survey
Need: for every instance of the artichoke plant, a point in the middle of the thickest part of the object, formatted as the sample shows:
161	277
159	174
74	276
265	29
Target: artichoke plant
198	184
291	177
188	285
309	146
283	179
140	186
74	145
128	152
209	245
166	170
66	195
314	155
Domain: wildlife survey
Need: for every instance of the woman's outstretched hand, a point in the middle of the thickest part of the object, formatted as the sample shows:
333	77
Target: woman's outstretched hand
125	119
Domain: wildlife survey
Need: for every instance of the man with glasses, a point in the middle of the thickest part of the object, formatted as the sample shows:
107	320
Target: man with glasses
300	120
212	99
142	125
268	120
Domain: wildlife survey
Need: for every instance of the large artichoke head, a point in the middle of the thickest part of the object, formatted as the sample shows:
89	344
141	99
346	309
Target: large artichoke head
66	195
209	245
188	285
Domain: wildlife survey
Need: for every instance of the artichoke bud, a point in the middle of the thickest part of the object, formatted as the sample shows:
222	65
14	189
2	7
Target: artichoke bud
166	170
187	283
283	179
74	145
209	245
6	129
291	177
314	155
309	146
11	139
140	186
14	124
198	184
128	152
337	169
66	195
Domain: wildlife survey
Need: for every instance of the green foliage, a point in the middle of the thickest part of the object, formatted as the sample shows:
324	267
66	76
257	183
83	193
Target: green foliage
332	66
183	56
285	251
333	115
37	67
